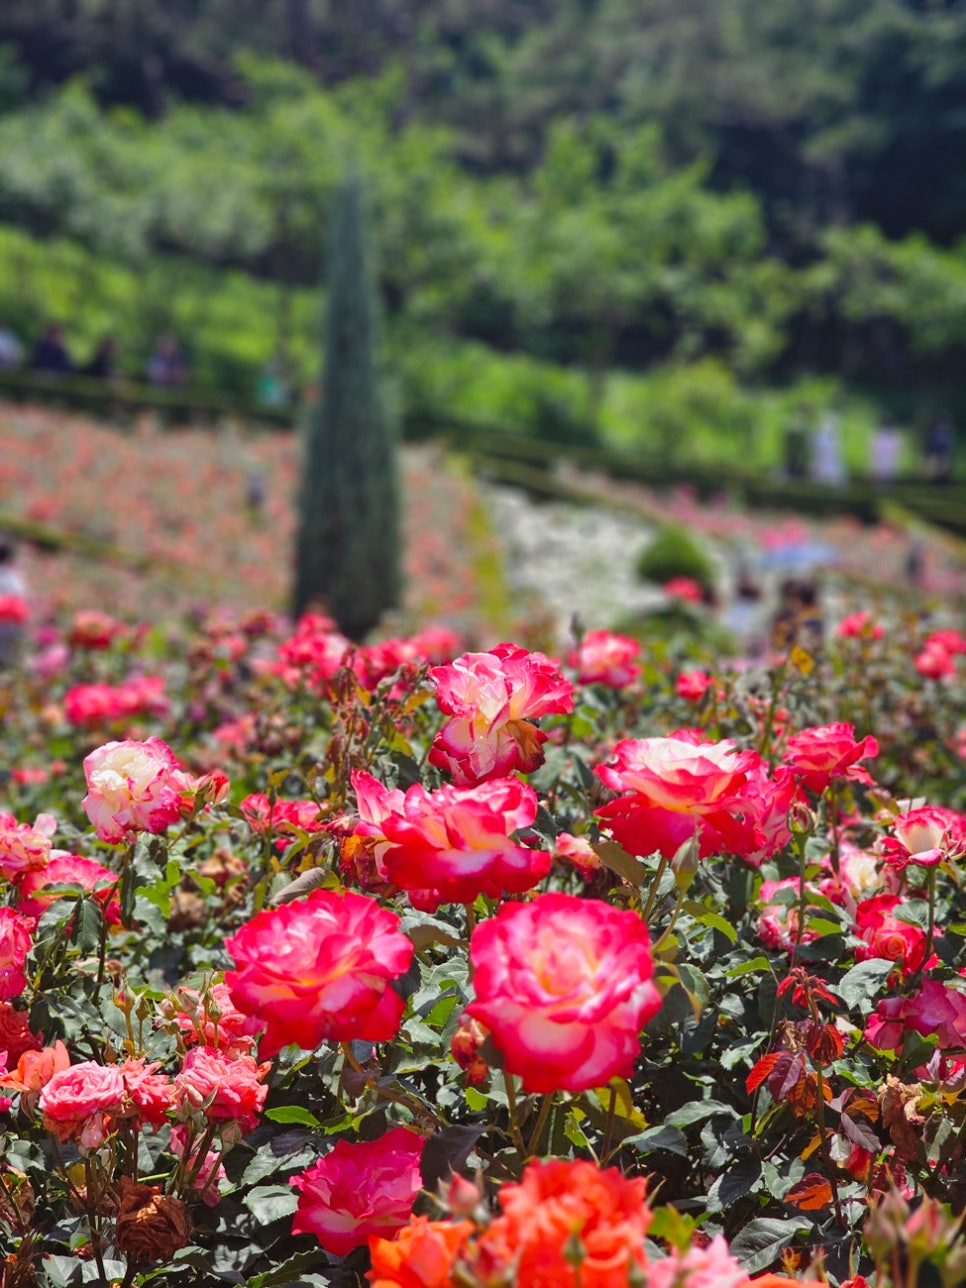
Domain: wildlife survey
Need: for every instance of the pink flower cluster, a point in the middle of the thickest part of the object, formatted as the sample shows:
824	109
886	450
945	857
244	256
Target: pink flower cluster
492	700
91	706
604	657
936	660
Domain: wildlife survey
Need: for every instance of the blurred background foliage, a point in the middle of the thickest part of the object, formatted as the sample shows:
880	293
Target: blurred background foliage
608	218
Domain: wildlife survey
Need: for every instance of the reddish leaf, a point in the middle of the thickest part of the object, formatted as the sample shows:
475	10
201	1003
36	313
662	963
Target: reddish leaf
811	1193
761	1070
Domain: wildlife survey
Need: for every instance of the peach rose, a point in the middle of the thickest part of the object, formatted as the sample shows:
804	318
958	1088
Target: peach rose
222	1090
564	986
76	1096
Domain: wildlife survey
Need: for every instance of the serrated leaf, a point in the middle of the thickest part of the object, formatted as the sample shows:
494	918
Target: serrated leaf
862	983
812	1193
269	1203
734	1184
761	1241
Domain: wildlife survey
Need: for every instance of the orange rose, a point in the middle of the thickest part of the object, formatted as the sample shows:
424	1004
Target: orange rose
420	1256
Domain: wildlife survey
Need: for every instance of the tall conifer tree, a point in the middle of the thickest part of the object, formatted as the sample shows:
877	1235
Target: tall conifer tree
348	541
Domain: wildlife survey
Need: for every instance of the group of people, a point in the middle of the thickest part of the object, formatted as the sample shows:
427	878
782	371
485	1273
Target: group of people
49	355
817	453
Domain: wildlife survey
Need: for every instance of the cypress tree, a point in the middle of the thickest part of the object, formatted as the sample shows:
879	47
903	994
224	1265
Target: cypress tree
347	555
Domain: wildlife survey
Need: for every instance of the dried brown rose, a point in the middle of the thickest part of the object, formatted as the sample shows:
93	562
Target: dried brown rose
151	1226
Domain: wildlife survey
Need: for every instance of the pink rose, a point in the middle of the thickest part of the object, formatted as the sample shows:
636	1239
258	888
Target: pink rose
859	626
936	1008
693	685
210	1018
358	1190
89	705
133	787
149	1094
24	847
281	818
313	654
320	968
492	698
606	658
564	985
886	936
685	588
223	1090
75	1101
710	1267
36	891
924	837
450	845
14	946
578	852
207	1175
675	787
827	752
16	1035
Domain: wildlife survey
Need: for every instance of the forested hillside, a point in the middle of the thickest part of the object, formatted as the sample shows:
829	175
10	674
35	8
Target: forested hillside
602	184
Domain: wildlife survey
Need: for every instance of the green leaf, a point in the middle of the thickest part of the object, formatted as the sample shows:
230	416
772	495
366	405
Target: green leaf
668	1138
756	963
291	1269
859	986
292	1114
717	922
269	1203
697	1111
761	1241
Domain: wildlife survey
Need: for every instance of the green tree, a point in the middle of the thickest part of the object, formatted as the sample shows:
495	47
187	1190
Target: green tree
348	540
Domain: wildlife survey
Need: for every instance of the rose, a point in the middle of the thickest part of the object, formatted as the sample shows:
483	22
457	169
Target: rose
24	847
34	1070
97	704
76	1096
859	625
935	1008
222	1090
827	752
150	1094
924	837
282	818
210	1018
453	844
359	1189
420	1256
320	968
692	685
564	985
710	1267
133	787
16	1035
560	1204
36	891
492	699
674	788
14	947
604	657
151	1226
886	936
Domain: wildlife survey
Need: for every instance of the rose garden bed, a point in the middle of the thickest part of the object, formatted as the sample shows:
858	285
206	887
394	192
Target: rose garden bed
414	966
